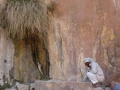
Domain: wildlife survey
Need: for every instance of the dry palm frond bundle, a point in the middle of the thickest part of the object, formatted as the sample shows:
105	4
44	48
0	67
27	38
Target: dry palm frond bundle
51	7
19	18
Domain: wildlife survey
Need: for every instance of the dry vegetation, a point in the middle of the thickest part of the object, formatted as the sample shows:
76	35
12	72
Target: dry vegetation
51	7
19	18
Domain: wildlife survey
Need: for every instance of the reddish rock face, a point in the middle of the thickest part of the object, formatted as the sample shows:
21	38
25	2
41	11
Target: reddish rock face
84	28
80	29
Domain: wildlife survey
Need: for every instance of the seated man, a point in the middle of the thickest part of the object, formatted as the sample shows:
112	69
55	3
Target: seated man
94	73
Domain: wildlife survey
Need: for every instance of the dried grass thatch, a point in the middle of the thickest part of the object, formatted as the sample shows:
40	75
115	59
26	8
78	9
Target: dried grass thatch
51	7
17	18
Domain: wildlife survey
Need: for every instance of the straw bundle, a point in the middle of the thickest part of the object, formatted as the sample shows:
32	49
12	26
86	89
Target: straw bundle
19	18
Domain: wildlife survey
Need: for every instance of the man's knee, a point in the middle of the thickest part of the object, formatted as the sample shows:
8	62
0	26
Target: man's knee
92	77
89	74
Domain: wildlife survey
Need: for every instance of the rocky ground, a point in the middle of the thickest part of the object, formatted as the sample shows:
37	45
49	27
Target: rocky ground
57	85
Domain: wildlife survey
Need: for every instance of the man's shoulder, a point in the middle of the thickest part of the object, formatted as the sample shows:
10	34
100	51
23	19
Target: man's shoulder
94	63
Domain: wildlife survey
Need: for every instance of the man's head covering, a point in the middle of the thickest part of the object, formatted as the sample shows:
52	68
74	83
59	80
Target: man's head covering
88	60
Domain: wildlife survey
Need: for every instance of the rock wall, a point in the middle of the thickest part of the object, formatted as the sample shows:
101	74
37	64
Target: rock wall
84	28
25	69
6	57
28	59
79	29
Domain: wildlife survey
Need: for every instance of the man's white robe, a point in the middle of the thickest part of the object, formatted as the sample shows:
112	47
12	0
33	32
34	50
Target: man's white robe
95	73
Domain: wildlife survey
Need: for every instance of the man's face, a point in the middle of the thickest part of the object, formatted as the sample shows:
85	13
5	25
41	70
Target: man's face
87	64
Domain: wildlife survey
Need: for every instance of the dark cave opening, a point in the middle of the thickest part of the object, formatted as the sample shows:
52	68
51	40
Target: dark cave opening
31	49
38	47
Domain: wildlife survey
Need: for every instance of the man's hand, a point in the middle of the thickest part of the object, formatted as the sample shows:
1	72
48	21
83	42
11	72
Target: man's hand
83	80
85	77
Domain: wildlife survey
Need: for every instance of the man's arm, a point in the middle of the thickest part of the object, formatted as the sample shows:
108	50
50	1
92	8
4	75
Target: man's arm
93	68
85	77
